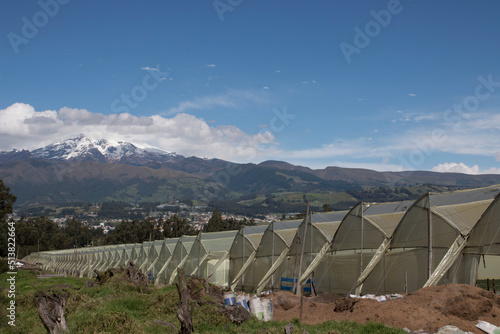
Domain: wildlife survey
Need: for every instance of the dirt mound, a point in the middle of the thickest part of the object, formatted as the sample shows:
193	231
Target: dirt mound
429	308
284	300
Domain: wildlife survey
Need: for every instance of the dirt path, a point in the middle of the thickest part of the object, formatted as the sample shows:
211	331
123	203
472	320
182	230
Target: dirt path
429	308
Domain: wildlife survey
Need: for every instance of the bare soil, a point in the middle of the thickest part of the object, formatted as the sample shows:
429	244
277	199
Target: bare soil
429	308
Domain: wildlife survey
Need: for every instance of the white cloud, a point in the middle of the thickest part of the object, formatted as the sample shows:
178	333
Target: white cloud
427	117
265	87
412	146
411	94
206	102
453	167
492	170
147	68
22	127
341	148
230	99
482	121
210	65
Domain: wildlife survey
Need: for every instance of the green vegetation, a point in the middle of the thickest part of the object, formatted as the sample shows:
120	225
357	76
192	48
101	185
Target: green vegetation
216	223
119	307
42	234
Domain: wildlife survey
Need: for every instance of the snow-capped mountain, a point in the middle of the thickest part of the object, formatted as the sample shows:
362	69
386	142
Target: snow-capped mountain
102	150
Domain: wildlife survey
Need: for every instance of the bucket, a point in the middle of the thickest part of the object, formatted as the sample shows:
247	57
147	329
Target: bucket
240	300
256	308
267	307
229	298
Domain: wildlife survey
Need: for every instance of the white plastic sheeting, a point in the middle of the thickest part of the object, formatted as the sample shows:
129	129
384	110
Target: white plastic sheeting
430	236
242	253
362	231
209	257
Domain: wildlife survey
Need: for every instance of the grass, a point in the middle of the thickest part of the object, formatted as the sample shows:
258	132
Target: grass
118	307
316	199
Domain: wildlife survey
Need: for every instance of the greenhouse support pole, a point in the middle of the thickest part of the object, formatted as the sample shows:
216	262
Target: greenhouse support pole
429	236
303	240
243	244
199	246
272	260
362	236
297	243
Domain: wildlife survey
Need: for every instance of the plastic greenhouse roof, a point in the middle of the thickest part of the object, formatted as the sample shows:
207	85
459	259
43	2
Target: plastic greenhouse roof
389	207
464	196
448	221
328	216
463	216
251	234
387	222
486	233
283	230
379	222
329	228
284	225
218	244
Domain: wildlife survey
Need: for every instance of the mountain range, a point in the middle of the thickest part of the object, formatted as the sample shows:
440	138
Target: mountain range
90	170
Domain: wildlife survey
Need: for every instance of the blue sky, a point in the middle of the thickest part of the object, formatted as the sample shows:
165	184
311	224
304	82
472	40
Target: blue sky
385	85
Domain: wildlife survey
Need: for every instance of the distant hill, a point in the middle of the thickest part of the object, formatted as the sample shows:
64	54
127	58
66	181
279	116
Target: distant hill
84	169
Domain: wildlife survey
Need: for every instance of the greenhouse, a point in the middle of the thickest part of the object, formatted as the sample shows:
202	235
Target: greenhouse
318	230
362	231
143	255
242	253
272	250
127	254
375	248
434	225
209	257
179	257
153	256
159	267
482	249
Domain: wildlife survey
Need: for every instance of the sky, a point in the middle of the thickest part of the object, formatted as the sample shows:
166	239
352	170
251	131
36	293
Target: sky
385	85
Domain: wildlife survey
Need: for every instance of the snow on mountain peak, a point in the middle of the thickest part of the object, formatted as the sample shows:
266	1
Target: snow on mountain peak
84	147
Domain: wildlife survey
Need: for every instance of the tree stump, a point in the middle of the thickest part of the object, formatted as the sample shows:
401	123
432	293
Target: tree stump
135	276
183	313
50	306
